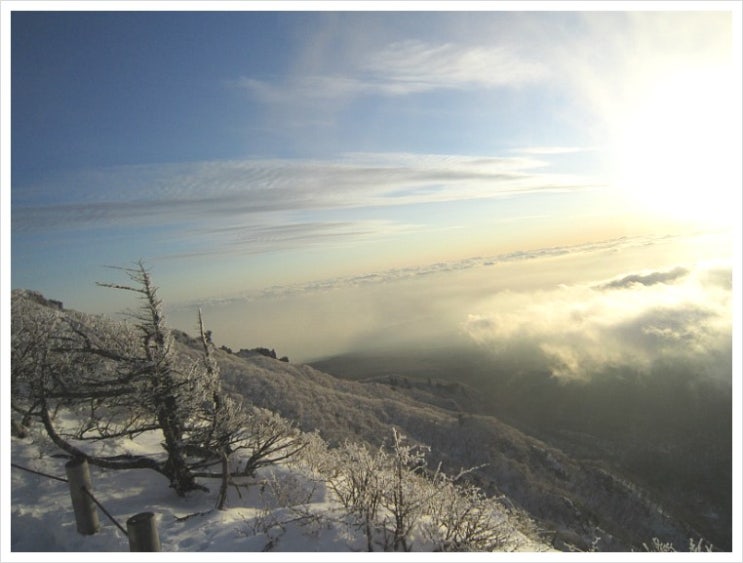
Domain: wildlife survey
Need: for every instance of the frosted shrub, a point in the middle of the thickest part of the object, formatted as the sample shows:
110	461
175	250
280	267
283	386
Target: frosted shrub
391	496
657	545
314	456
356	477
406	496
463	518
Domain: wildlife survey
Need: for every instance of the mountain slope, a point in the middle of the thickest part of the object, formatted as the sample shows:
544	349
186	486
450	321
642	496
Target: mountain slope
574	502
667	429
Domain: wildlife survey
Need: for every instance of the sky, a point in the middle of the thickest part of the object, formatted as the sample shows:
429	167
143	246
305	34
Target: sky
327	179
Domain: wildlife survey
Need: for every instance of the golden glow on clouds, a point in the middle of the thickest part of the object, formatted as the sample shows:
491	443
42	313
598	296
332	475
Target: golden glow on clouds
633	319
674	147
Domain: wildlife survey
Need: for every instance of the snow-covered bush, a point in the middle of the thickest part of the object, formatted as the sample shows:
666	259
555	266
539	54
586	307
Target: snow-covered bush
356	476
657	545
396	501
463	518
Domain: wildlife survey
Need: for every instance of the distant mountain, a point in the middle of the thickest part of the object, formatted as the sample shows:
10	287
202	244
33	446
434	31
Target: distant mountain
576	503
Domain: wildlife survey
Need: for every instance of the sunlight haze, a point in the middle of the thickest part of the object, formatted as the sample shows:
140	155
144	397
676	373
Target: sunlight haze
236	153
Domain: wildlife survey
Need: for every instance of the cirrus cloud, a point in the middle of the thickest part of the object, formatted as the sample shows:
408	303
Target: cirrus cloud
189	199
401	68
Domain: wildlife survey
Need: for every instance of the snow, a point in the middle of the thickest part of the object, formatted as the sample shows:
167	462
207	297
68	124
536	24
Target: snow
42	519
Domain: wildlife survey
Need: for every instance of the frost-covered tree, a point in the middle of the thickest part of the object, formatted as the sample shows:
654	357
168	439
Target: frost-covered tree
115	380
32	362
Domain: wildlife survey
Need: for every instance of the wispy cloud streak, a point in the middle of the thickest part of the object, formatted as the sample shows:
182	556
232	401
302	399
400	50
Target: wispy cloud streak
246	239
424	271
536	151
403	68
171	195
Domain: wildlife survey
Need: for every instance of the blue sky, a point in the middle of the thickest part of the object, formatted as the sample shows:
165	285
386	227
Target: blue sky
235	152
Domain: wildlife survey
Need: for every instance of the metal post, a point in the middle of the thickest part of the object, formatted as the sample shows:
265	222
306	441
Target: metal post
143	532
86	516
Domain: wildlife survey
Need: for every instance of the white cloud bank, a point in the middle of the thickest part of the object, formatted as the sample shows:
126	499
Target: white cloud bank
574	309
681	314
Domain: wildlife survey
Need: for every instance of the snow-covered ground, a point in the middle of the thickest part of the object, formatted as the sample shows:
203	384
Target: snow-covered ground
42	519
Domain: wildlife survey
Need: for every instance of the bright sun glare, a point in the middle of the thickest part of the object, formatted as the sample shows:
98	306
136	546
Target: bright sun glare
674	148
